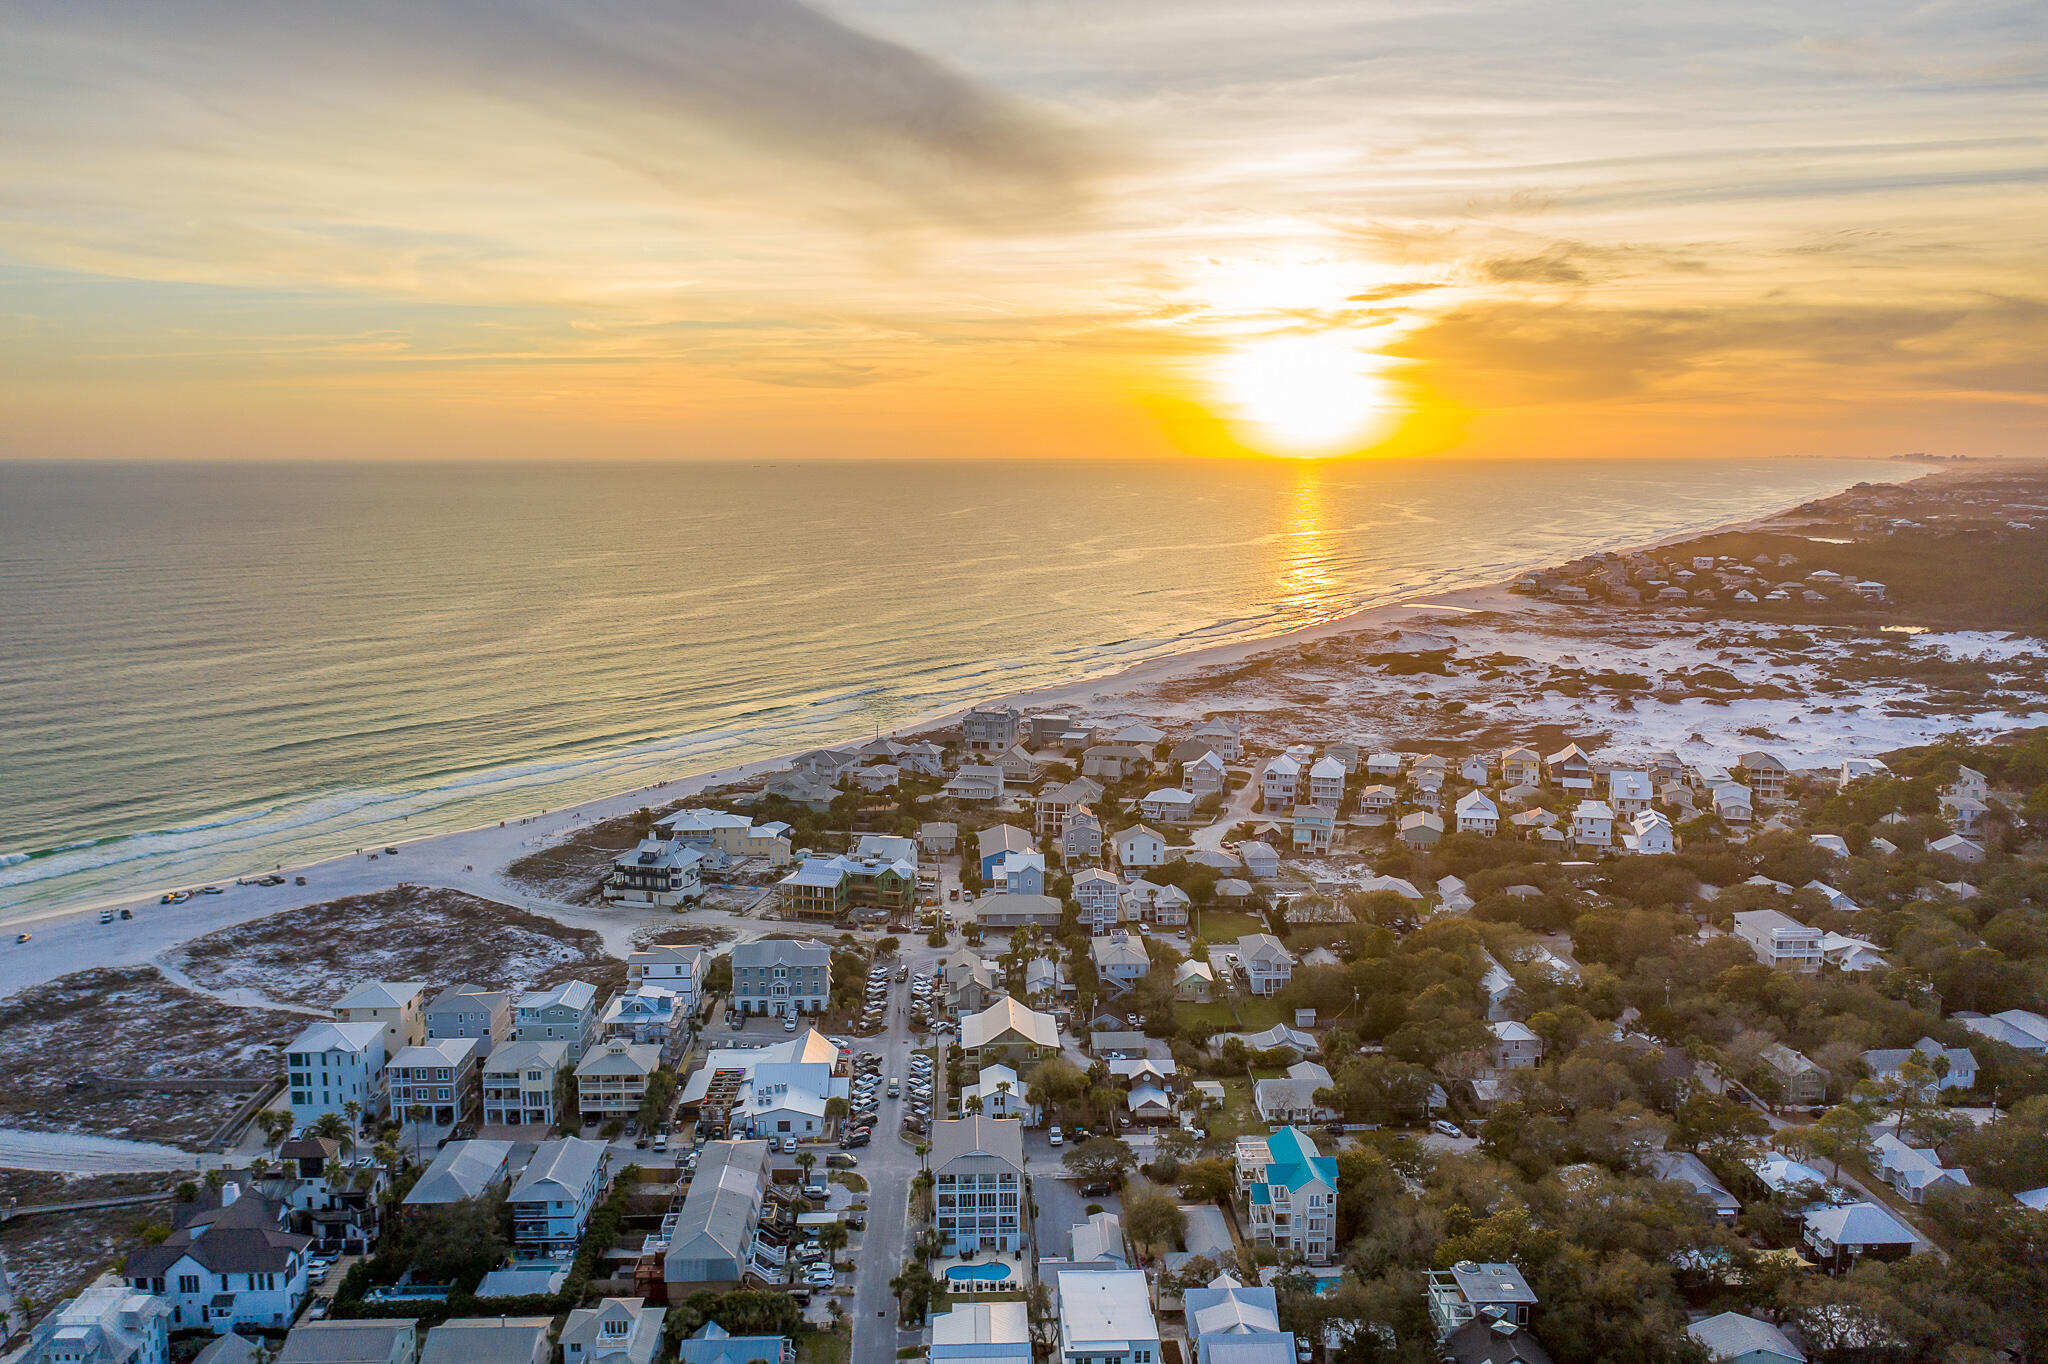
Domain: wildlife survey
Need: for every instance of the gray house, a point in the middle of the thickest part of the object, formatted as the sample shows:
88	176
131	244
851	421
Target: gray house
566	1013
781	977
351	1342
471	1011
714	1232
490	1340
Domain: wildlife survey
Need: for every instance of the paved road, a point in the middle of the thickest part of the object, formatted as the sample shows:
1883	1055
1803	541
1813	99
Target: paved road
1237	810
889	1164
72	1153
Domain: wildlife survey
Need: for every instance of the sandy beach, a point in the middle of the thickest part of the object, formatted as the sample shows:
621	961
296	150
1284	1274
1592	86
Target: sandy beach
68	939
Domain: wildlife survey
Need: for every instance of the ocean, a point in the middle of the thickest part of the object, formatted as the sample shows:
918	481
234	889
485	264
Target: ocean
210	669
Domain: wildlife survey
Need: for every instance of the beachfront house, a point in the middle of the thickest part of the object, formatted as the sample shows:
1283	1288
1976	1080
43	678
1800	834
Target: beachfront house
471	1011
1521	767
658	871
103	1325
398	1005
1765	774
228	1262
332	1065
1326	782
565	1013
1571	769
992	728
611	1080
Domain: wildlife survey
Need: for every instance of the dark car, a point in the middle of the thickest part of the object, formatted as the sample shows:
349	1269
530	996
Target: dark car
1097	1190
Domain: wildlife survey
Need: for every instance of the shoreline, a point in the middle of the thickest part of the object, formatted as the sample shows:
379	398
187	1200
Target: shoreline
471	858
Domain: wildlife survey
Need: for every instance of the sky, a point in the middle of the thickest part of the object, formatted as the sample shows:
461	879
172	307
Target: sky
979	228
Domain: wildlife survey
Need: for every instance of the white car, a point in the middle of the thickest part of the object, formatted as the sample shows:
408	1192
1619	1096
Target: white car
1053	1136
789	1025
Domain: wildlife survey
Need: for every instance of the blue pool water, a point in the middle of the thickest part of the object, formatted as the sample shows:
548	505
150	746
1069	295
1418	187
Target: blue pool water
988	1273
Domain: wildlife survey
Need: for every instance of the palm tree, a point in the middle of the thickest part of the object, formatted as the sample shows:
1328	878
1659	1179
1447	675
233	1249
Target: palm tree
419	1113
1003	1092
355	1115
973	1105
333	1127
804	1161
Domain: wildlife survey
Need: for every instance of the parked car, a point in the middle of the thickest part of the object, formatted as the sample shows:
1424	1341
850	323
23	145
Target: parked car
839	1160
1052	1135
1445	1129
1097	1190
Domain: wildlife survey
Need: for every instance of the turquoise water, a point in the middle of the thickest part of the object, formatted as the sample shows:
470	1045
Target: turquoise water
988	1273
209	669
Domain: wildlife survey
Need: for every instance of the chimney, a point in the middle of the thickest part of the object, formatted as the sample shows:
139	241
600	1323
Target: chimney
229	1192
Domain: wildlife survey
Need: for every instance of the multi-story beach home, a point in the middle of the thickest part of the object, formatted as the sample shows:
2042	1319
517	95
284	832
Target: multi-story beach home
1168	805
1468	1292
1120	960
1081	842
1261	862
735	836
998	841
400	1005
1593	824
471	1011
1649	833
565	1013
1139	846
1326	782
436	1082
228	1262
1099	896
1020	873
1280	783
1629	792
781	978
1315	828
1765	774
1291	1193
1779	940
1222	736
1009	1034
519	1083
1205	776
993	728
648	1015
1266	964
105	1325
1521	767
977	1168
552	1202
332	1065
1106	1318
621	1331
1570	768
1055	805
1477	814
658	871
611	1080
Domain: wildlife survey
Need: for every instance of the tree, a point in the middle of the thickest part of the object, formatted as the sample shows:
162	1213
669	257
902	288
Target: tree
568	1099
1841	1132
654	1105
913	1288
1100	1160
805	1161
1053	1083
1155	1220
335	1127
718	976
1205	1181
832	1237
418	1114
888	947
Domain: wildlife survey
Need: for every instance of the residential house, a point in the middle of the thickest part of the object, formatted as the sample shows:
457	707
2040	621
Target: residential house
228	1261
1279	1037
1855	769
1326	782
1291	1098
826	889
658	871
1266	964
1099	896
1838	1236
992	728
520	1081
938	837
1222	736
1521	767
1168	805
1114	762
1964	813
399	1005
1229	1323
1021	873
1001	1095
713	1344
1593	824
2016	1028
337	1203
1953	1067
552	1201
437	1082
1018	766
1570	768
1280	783
1194	982
329	1066
1629	793
1008	1034
1120	961
462	1170
1378	800
1972	783
616	1331
1732	802
1386	765
1420	828
1765	774
1291	1191
1315	828
1005	912
676	967
1958	847
612	1078
1779	941
1470	1291
734	836
1106	1318
977	1167
1082	839
980	1333
1649	834
394	1341
1800	1082
1514	1046
1910	1170
781	978
490	1340
1683	1167
981	783
648	1015
1732	1338
997	842
471	1011
1261	863
1205	776
1139	846
1053	807
1476	770
567	1012
1476	814
712	1242
103	1325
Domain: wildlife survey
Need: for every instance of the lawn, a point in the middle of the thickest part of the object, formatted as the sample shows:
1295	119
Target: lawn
822	1347
857	1183
1233	1013
1238	1118
1225	925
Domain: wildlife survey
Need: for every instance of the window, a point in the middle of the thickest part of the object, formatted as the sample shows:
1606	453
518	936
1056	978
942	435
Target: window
188	1283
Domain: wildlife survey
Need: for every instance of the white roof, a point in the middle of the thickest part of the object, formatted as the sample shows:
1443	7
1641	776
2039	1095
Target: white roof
1593	809
444	1051
1284	766
1629	785
1326	768
1007	1015
1104	1309
352	1037
982	1323
1859	1224
1508	1030
1732	1335
1477	804
381	994
1170	795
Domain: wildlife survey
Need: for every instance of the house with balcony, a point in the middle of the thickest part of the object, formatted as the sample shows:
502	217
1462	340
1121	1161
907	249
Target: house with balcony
1139	846
1593	824
1468	1292
616	1331
648	1015
1477	814
1099	896
781	978
1020	873
1649	834
437	1082
1106	1318
731	836
1290	1192
1765	774
1629	792
399	1005
1780	941
658	871
552	1201
329	1066
1571	769
993	728
997	842
1007	1033
977	1167
1315	829
1168	805
1265	963
520	1081
1121	961
1053	807
471	1011
1521	767
103	1325
1326	782
674	966
228	1263
1205	775
1280	783
611	1080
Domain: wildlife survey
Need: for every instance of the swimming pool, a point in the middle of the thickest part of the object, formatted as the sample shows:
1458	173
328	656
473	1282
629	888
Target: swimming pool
987	1274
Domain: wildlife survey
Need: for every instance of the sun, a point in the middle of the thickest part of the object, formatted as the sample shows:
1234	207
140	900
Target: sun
1306	396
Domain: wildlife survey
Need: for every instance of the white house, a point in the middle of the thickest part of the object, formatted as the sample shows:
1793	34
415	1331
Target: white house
1139	846
1099	894
673	966
1292	1098
1280	783
982	1333
616	1331
1477	814
1106	1318
1168	805
1205	776
1266	964
1261	863
1628	792
104	1325
1779	940
659	871
1593	824
1477	769
1001	1093
1514	1046
1649	834
1732	803
331	1065
1326	782
1120	960
1291	1193
227	1263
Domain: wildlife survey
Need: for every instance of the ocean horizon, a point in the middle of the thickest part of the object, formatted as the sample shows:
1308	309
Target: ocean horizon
207	670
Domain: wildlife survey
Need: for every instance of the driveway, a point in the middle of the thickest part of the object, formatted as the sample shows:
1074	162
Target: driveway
1237	810
1060	1207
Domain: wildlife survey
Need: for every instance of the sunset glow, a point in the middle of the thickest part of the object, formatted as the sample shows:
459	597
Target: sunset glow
1305	396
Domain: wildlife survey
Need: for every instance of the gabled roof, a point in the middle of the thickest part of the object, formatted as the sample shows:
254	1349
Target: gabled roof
381	994
559	1170
579	995
1007	1015
1859	1224
1002	1138
1731	1335
723	1200
354	1038
464	1169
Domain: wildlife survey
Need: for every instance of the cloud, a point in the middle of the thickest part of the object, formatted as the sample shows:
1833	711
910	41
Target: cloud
1552	267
